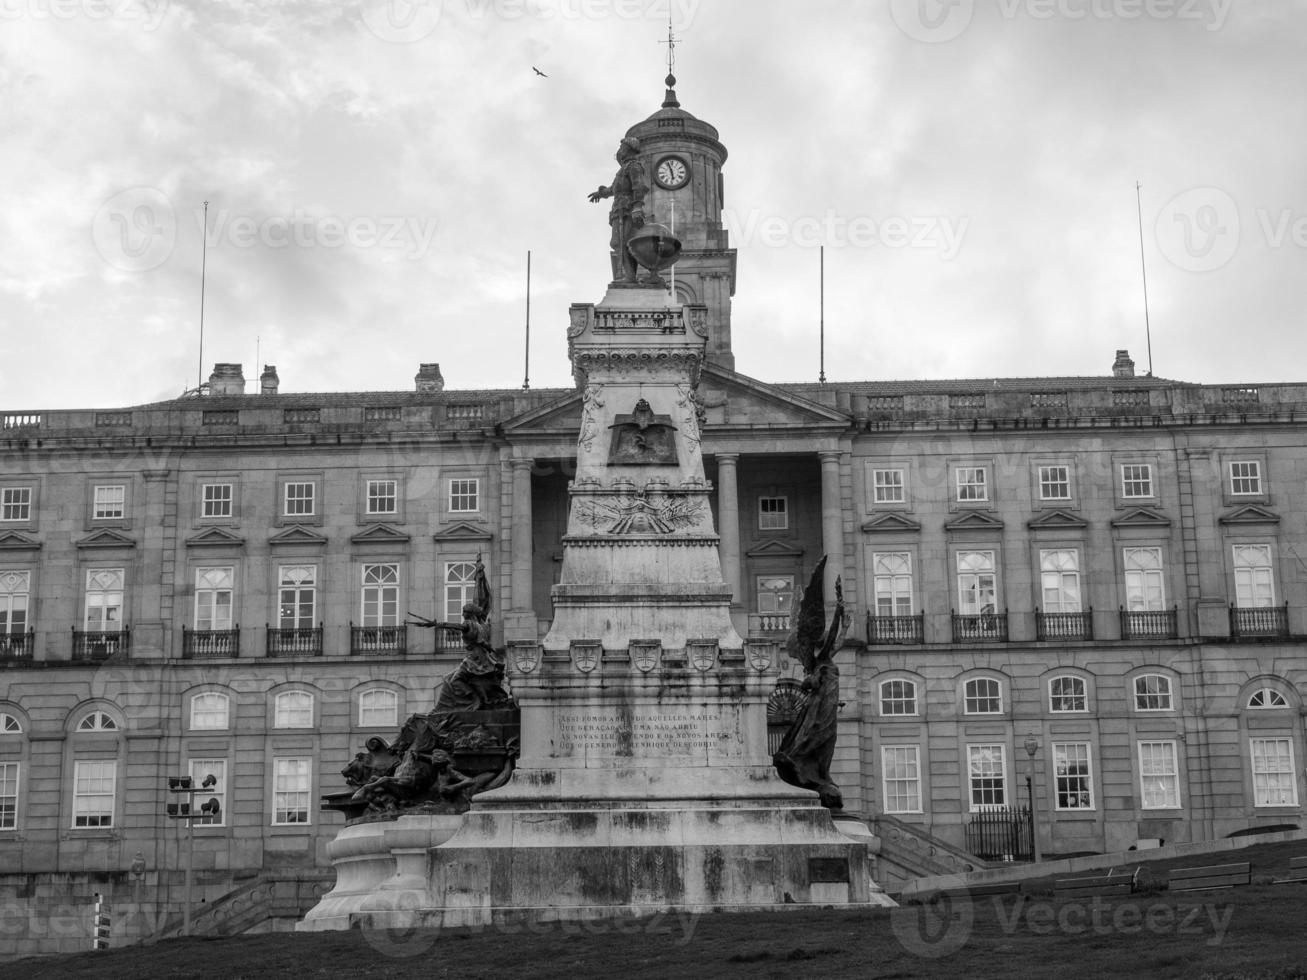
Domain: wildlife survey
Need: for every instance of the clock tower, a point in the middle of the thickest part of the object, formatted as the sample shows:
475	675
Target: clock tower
683	158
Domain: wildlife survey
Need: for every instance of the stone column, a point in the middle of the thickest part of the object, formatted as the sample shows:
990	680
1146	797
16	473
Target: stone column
728	518
520	622
832	521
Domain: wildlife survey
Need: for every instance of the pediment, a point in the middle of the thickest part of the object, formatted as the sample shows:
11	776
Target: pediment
462	531
732	399
1057	520
775	549
298	534
564	414
215	537
974	520
381	534
890	522
1142	517
1251	514
106	538
13	541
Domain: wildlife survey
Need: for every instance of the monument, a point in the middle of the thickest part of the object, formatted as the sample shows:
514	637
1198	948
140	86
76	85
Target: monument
643	781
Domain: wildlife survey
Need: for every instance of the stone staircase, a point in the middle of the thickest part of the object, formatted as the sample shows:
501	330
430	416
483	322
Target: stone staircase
272	901
908	852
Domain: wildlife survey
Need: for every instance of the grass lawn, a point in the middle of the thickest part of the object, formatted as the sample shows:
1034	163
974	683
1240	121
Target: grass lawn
1250	933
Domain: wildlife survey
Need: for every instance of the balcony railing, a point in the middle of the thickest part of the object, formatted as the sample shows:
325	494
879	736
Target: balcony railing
983	627
769	622
448	638
1064	625
294	641
90	646
203	644
896	629
386	640
1149	624
17	646
1003	833
1259	621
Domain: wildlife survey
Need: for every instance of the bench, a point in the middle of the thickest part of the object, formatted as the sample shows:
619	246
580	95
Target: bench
1215	876
1112	883
1297	871
978	890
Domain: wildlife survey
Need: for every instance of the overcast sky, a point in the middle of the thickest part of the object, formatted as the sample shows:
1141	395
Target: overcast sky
377	171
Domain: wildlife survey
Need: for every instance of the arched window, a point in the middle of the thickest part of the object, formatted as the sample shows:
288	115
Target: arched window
983	696
1067	693
210	710
9	725
1153	693
898	697
97	721
1267	697
293	709
378	708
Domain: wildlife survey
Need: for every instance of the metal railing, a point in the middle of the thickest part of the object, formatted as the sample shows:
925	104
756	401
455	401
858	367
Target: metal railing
1002	833
204	644
293	641
988	627
93	645
378	639
18	646
1064	625
896	629
1259	621
1153	624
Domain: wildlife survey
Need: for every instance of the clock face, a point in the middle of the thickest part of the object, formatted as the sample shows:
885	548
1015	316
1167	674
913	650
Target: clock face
671	172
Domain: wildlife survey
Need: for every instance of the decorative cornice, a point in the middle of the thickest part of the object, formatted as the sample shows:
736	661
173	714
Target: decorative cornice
106	538
462	531
215	537
891	522
13	541
1142	517
775	549
380	534
1250	514
1057	520
298	534
974	520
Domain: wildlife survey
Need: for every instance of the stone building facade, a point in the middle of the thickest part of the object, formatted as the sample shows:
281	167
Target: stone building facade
1095	582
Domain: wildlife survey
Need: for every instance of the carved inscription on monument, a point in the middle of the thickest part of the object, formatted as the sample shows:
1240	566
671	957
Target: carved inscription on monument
688	730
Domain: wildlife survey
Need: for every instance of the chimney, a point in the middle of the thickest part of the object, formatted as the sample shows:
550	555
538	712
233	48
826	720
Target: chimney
227	379
428	378
268	380
1123	367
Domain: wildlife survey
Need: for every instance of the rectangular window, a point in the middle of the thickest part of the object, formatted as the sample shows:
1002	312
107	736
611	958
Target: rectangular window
15	504
888	487
1137	480
982	696
216	500
977	583
773	514
775	594
15	593
297	597
213	598
380	595
1144	591
464	496
1153	693
93	793
1059	574
1159	775
201	771
299	499
1245	478
378	709
210	711
290	791
892	581
109	503
972	483
986	775
1254	581
1055	483
8	795
898	698
1074	781
104	600
1067	694
902	767
460	588
1275	783
383	497
293	709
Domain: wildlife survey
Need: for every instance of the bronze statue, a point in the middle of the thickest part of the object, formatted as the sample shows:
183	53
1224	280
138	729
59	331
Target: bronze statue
626	216
805	753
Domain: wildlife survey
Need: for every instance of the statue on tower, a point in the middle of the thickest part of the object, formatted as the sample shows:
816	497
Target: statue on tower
635	243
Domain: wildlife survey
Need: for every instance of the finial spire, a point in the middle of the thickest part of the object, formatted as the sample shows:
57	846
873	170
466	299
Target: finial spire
670	101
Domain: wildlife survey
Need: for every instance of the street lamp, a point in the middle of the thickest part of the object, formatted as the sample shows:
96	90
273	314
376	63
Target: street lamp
1032	746
185	811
